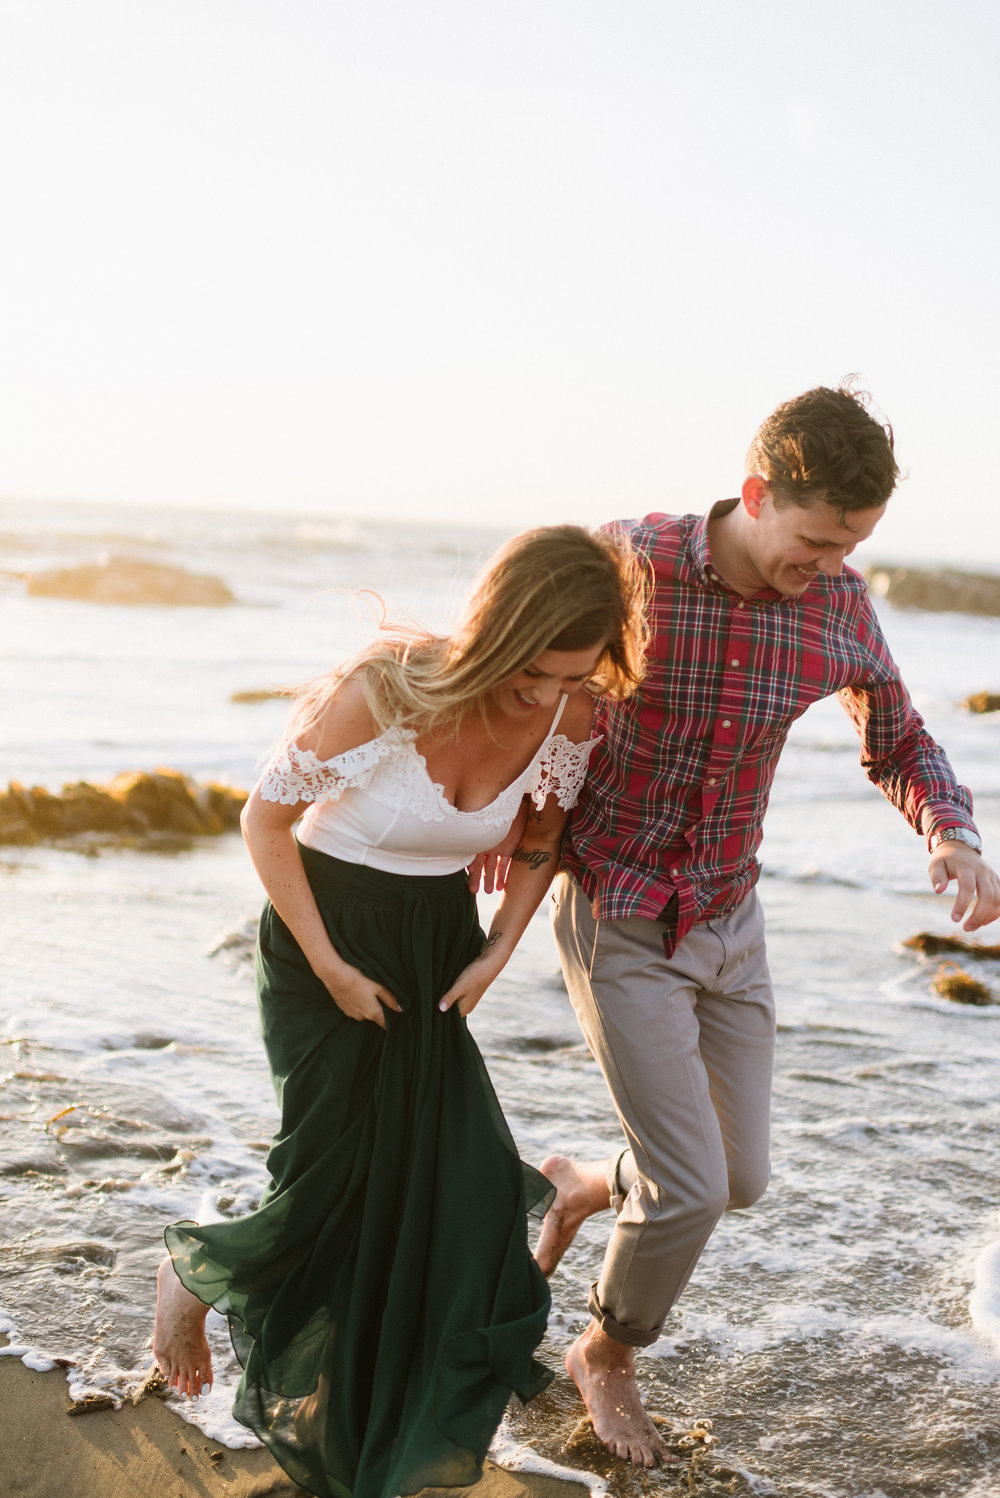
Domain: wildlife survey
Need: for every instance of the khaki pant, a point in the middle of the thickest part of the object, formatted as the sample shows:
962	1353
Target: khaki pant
686	1046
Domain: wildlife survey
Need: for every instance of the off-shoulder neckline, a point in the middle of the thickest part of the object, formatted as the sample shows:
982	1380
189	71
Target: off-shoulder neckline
408	736
481	810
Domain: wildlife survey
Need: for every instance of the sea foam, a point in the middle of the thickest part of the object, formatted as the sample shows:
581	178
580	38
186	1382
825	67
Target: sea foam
984	1302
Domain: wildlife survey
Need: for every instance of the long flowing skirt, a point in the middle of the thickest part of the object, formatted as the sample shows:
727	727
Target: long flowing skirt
382	1299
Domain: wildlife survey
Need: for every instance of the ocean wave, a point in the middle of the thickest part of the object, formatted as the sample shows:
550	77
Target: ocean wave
780	1321
984	1302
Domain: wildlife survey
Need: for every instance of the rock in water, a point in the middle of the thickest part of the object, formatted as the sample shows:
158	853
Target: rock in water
983	702
940	590
954	984
131	582
929	945
136	804
254	695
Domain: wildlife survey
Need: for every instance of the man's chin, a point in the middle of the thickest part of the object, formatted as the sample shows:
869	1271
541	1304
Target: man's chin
794	585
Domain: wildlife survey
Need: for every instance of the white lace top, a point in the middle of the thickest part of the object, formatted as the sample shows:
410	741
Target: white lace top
377	805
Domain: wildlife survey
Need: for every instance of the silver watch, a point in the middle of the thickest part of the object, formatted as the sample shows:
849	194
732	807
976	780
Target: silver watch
955	835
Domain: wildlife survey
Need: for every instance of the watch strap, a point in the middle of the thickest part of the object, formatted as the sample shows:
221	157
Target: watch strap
955	835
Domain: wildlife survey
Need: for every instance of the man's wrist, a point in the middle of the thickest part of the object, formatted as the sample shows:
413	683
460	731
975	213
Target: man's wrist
963	835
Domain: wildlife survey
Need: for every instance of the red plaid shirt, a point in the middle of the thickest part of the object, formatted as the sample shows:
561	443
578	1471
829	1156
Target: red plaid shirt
676	793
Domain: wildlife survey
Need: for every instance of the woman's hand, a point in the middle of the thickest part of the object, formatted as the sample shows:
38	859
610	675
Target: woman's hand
267	828
470	985
357	996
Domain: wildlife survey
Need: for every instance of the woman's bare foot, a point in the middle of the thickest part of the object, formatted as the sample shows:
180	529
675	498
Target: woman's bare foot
179	1344
581	1190
604	1372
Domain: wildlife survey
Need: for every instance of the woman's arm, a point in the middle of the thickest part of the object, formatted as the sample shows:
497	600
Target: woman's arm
532	867
267	831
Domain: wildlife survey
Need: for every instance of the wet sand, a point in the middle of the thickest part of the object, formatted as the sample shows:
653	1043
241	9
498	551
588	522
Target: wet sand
146	1451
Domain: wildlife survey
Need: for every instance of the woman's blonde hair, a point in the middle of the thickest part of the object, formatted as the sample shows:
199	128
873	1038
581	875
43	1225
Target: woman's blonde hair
559	587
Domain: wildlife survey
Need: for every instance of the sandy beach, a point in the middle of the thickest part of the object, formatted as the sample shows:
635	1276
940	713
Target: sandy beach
147	1451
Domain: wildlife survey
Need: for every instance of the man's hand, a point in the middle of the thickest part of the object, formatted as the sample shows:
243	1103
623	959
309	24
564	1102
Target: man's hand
490	869
978	896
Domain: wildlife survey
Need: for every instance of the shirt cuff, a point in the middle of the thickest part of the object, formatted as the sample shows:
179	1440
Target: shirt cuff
940	818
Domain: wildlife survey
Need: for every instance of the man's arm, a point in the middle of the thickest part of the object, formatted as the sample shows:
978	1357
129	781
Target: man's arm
913	772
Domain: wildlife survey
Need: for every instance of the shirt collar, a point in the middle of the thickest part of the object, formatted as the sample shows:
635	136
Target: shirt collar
701	560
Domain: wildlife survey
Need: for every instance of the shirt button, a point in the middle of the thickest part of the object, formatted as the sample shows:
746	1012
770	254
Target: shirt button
726	723
674	873
734	662
741	605
711	780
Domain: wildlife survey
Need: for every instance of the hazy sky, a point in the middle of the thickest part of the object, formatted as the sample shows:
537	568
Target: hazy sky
511	260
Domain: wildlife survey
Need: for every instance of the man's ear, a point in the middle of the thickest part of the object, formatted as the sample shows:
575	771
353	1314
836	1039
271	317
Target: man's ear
753	492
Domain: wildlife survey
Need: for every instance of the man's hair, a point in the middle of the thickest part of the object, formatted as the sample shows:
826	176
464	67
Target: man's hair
827	446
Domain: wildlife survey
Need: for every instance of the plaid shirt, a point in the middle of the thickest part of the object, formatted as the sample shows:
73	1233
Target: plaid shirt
675	796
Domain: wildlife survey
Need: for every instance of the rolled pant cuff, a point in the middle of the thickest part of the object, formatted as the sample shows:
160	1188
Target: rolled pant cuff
614	1329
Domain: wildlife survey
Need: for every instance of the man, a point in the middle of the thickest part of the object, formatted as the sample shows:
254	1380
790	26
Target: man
753	617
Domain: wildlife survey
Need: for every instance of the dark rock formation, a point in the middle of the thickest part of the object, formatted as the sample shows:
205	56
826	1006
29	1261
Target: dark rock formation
929	945
131	582
983	702
940	590
952	983
134	806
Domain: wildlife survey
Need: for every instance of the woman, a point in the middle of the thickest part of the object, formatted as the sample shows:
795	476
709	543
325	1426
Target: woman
382	1298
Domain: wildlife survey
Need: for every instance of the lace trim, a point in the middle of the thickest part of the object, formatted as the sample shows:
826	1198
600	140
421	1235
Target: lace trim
296	774
402	782
407	786
561	771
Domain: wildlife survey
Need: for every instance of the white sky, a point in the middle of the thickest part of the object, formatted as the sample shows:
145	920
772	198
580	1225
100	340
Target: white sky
506	260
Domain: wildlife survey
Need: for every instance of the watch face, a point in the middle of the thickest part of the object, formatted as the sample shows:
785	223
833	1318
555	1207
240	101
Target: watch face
959	835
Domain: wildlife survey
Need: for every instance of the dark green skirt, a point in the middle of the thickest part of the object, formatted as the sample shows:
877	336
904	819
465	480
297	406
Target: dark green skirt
382	1298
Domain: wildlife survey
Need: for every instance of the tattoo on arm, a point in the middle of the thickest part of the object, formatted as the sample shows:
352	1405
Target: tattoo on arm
491	941
533	857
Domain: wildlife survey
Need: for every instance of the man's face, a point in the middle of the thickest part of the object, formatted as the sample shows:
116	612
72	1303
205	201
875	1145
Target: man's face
791	546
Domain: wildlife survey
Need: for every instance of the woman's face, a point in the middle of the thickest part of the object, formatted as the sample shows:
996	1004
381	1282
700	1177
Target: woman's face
544	680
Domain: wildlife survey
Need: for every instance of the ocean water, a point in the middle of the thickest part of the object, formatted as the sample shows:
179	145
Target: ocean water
843	1336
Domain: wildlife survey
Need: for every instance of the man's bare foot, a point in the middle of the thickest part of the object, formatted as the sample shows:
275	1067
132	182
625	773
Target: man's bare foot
604	1372
179	1344
581	1190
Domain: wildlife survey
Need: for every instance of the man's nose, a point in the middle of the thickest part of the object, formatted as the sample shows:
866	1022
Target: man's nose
831	564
